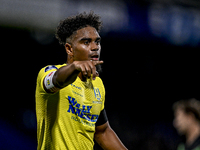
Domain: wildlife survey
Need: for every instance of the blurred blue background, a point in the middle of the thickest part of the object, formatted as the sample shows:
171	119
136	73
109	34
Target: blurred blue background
150	52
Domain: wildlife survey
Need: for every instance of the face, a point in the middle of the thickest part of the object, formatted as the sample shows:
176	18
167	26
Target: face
85	45
181	121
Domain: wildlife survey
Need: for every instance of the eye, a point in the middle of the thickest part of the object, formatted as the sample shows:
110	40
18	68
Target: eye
98	42
86	42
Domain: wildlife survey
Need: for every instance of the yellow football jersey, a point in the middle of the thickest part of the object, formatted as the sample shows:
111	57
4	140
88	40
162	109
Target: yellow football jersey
66	119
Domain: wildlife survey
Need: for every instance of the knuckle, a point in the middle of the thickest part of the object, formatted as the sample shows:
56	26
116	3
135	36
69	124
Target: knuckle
93	67
84	72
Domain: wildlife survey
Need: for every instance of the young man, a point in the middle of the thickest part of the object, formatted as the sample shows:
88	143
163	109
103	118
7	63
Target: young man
187	123
70	97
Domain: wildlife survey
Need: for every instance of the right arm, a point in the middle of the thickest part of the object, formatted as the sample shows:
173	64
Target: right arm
65	76
68	74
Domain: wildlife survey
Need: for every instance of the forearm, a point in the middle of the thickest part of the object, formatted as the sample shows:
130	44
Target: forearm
65	75
108	140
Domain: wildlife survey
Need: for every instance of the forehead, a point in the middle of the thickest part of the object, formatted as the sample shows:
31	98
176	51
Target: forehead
87	32
179	112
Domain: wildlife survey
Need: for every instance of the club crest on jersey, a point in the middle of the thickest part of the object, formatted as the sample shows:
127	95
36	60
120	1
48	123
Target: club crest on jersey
97	93
50	68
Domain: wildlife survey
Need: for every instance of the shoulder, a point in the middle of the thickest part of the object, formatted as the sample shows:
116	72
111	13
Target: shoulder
98	80
181	146
50	68
99	83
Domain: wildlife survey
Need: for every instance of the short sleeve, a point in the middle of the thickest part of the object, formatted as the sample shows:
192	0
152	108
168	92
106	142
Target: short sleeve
42	74
102	118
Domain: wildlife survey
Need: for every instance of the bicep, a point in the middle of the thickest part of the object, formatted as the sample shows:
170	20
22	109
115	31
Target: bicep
99	132
102	123
107	138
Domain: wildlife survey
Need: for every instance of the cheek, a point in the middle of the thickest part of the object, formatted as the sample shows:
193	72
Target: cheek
99	50
80	53
99	47
180	123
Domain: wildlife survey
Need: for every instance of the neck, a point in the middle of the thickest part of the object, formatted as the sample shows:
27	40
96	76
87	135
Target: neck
193	133
80	75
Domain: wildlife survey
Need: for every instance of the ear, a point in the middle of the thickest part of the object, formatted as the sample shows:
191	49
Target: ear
69	50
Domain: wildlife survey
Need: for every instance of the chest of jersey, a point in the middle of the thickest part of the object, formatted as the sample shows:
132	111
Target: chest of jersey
81	102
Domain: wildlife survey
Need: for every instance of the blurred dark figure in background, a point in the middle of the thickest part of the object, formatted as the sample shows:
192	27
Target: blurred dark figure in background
187	123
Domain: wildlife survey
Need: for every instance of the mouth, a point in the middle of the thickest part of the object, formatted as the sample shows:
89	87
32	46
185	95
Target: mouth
94	57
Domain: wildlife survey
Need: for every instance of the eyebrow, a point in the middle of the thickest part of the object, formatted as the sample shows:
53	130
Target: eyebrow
90	39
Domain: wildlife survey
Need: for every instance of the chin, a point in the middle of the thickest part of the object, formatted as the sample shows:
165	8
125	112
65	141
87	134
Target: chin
181	131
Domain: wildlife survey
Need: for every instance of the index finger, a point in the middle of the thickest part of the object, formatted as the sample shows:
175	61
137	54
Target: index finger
98	62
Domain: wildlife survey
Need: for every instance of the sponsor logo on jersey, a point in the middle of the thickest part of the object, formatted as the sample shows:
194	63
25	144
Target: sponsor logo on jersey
77	87
82	111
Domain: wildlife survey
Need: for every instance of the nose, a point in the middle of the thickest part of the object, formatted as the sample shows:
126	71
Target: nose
95	46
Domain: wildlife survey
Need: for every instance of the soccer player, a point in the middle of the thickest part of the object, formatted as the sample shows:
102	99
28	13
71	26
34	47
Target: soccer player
70	97
187	123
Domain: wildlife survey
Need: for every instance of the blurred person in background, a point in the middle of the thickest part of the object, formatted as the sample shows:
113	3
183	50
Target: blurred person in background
187	123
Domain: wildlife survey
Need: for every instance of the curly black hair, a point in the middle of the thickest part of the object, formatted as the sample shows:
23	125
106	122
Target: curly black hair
69	25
